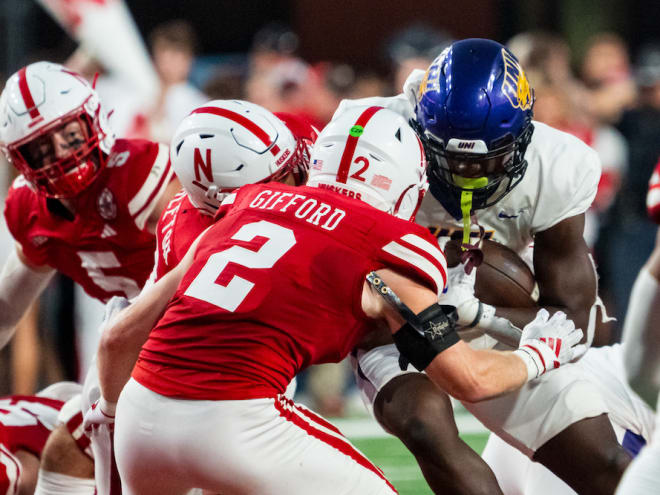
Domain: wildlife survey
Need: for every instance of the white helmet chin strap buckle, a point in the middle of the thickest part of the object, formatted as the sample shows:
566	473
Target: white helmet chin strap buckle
213	193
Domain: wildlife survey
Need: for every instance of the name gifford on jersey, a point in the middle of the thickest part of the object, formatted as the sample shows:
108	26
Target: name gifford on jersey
301	206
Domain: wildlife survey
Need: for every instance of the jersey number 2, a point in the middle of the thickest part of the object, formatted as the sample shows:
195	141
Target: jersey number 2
230	296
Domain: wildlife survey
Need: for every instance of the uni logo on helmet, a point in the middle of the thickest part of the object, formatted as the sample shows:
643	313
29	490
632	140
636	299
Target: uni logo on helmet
515	85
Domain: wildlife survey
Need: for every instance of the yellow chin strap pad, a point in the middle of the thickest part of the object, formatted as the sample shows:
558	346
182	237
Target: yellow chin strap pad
466	200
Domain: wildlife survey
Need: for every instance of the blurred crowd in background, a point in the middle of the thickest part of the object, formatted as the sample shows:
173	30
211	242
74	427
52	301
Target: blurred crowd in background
609	98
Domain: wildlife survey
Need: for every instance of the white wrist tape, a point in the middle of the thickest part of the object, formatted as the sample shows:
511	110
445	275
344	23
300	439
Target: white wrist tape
534	367
108	408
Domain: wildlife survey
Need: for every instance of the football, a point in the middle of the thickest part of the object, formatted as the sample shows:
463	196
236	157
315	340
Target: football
503	278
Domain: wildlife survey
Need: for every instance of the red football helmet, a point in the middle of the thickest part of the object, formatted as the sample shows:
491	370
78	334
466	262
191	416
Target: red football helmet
53	129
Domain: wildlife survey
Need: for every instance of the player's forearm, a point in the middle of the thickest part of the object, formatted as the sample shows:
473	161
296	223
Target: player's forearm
19	287
477	375
115	365
120	347
127	332
641	334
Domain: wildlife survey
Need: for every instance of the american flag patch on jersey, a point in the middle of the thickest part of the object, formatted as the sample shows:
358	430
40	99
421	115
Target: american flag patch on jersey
317	164
381	182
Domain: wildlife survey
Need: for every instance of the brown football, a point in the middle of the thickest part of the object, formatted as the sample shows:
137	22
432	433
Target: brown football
503	278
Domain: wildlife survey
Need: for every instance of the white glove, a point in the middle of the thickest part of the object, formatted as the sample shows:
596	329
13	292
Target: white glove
102	412
460	294
112	307
547	343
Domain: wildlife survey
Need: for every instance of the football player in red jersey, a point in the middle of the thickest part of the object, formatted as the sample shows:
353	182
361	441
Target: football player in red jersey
25	423
86	205
220	146
204	407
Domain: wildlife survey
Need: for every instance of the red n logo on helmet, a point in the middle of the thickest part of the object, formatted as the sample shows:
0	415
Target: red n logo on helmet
204	165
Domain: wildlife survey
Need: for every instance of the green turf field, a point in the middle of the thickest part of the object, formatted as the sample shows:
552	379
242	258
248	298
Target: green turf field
399	465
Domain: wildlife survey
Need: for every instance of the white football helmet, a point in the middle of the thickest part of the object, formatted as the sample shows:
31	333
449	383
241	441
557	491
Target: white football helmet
372	154
226	144
43	100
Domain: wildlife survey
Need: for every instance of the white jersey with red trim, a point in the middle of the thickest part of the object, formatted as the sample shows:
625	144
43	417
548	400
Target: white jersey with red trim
105	247
25	423
276	286
561	181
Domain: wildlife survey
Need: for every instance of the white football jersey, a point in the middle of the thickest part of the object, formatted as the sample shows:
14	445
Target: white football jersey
560	182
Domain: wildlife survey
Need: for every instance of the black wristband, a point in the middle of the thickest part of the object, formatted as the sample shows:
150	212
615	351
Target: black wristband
438	326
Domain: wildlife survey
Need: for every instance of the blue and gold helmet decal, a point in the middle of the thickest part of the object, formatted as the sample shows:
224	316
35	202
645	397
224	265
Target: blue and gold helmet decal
431	79
515	85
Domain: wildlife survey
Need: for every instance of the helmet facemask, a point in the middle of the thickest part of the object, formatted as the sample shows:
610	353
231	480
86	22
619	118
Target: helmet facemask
80	135
489	177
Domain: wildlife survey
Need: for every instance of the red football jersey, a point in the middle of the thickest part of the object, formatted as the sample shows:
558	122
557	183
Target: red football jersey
25	423
105	247
275	286
178	227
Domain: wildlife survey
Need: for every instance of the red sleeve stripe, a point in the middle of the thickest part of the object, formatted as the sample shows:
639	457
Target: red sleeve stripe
420	261
351	144
27	95
427	249
75	427
313	426
243	121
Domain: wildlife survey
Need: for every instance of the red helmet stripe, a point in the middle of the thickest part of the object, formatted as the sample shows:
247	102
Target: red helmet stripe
27	96
422	160
239	119
351	144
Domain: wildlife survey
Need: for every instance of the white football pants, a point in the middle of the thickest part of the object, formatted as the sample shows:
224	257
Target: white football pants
269	446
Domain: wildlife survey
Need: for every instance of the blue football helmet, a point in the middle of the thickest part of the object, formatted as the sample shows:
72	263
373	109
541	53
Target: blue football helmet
474	115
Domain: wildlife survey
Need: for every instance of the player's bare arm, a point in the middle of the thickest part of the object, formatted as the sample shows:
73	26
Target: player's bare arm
128	330
21	282
465	373
564	273
641	332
